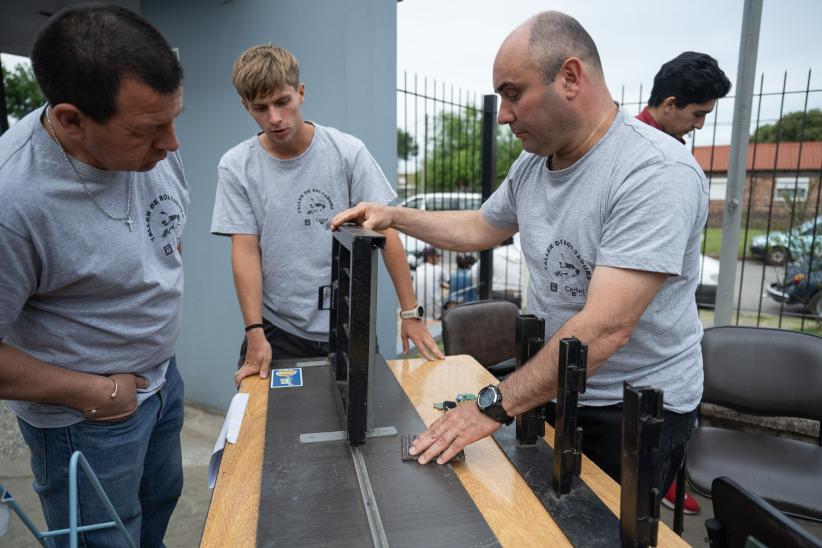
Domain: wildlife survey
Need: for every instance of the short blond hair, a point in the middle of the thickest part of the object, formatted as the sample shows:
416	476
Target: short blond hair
263	70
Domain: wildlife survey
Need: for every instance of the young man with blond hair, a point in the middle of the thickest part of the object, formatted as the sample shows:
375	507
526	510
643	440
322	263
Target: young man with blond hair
276	192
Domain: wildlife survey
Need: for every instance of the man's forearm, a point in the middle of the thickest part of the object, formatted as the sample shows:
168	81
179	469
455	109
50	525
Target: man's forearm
536	383
617	298
23	377
246	265
397	266
454	230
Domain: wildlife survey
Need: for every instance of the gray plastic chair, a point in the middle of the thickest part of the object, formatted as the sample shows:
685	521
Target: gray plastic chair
485	330
740	515
768	372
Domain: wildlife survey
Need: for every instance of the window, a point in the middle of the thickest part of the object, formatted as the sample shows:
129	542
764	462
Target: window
791	188
718	186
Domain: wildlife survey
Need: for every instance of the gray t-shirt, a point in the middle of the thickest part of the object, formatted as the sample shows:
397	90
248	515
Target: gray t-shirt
77	289
287	203
637	200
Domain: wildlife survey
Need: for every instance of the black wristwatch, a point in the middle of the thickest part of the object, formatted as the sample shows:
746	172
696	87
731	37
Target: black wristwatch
489	401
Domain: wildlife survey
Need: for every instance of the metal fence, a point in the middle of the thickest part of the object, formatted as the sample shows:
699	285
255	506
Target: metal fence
779	269
453	155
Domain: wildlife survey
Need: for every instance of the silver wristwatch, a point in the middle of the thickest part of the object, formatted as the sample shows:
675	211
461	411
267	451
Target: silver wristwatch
416	313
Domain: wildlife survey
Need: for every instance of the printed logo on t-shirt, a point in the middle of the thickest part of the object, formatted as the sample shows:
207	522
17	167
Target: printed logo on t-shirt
164	220
568	273
315	206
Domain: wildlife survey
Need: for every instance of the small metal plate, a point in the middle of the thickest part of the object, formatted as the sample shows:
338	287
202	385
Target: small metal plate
405	444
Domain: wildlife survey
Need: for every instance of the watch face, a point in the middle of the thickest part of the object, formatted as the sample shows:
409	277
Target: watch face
486	398
420	312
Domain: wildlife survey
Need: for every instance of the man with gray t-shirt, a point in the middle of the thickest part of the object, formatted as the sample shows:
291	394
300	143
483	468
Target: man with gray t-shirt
609	212
93	202
276	192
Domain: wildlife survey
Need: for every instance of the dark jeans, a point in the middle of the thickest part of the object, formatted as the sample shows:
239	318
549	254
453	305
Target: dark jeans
602	440
284	345
138	461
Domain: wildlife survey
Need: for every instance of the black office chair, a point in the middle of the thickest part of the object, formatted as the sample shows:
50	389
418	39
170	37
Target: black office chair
768	372
740	515
485	330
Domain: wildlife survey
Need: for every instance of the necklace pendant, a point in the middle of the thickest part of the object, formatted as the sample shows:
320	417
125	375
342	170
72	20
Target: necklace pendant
128	222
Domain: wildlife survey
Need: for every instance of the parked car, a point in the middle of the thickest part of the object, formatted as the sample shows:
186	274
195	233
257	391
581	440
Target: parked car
708	277
443	201
801	285
778	248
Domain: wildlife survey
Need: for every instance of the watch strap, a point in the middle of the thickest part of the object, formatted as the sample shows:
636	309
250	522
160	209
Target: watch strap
412	314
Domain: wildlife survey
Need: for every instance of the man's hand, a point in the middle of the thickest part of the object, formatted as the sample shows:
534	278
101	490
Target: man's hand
417	331
452	432
257	357
124	402
369	215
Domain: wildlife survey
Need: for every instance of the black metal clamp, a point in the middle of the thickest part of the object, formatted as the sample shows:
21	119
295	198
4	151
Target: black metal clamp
530	339
571	382
352	334
641	434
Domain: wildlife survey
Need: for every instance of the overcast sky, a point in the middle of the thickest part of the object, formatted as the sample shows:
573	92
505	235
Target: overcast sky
455	41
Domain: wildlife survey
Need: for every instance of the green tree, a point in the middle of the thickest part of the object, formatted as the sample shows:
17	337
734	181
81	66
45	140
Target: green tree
406	145
453	153
789	128
22	92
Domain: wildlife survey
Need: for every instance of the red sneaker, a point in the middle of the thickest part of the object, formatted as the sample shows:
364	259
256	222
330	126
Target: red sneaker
689	505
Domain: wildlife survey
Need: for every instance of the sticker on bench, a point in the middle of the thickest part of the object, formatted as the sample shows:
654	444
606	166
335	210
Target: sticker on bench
287	378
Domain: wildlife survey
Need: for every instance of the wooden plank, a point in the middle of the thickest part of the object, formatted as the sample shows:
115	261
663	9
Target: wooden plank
514	514
232	513
512	511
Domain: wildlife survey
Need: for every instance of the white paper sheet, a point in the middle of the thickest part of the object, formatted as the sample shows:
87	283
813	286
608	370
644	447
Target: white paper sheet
229	433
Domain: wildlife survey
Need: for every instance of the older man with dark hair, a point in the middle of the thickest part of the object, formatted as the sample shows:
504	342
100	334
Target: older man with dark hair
93	203
609	213
685	91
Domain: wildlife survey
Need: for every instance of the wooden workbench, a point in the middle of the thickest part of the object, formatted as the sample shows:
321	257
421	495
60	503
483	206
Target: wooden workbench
511	510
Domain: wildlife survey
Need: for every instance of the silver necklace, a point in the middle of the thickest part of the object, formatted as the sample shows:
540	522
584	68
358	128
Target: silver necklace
127	216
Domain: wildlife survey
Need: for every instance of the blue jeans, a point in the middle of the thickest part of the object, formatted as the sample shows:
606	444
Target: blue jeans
138	461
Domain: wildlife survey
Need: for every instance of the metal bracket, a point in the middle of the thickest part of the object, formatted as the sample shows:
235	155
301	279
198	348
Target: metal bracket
342	435
573	363
530	339
641	436
352	337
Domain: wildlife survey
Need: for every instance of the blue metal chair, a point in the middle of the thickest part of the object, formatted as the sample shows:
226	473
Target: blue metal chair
77	458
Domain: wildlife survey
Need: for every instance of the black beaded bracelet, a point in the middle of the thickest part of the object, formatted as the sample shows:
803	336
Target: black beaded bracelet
254	326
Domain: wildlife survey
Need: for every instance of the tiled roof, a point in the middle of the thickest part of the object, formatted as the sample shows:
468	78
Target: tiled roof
766	157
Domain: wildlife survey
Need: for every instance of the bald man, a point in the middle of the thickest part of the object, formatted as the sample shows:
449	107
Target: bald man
609	212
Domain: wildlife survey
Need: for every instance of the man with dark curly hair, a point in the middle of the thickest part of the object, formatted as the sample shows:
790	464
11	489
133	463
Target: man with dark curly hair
685	91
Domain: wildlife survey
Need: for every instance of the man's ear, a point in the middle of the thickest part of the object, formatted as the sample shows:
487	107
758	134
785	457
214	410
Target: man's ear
301	91
669	103
570	76
70	119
